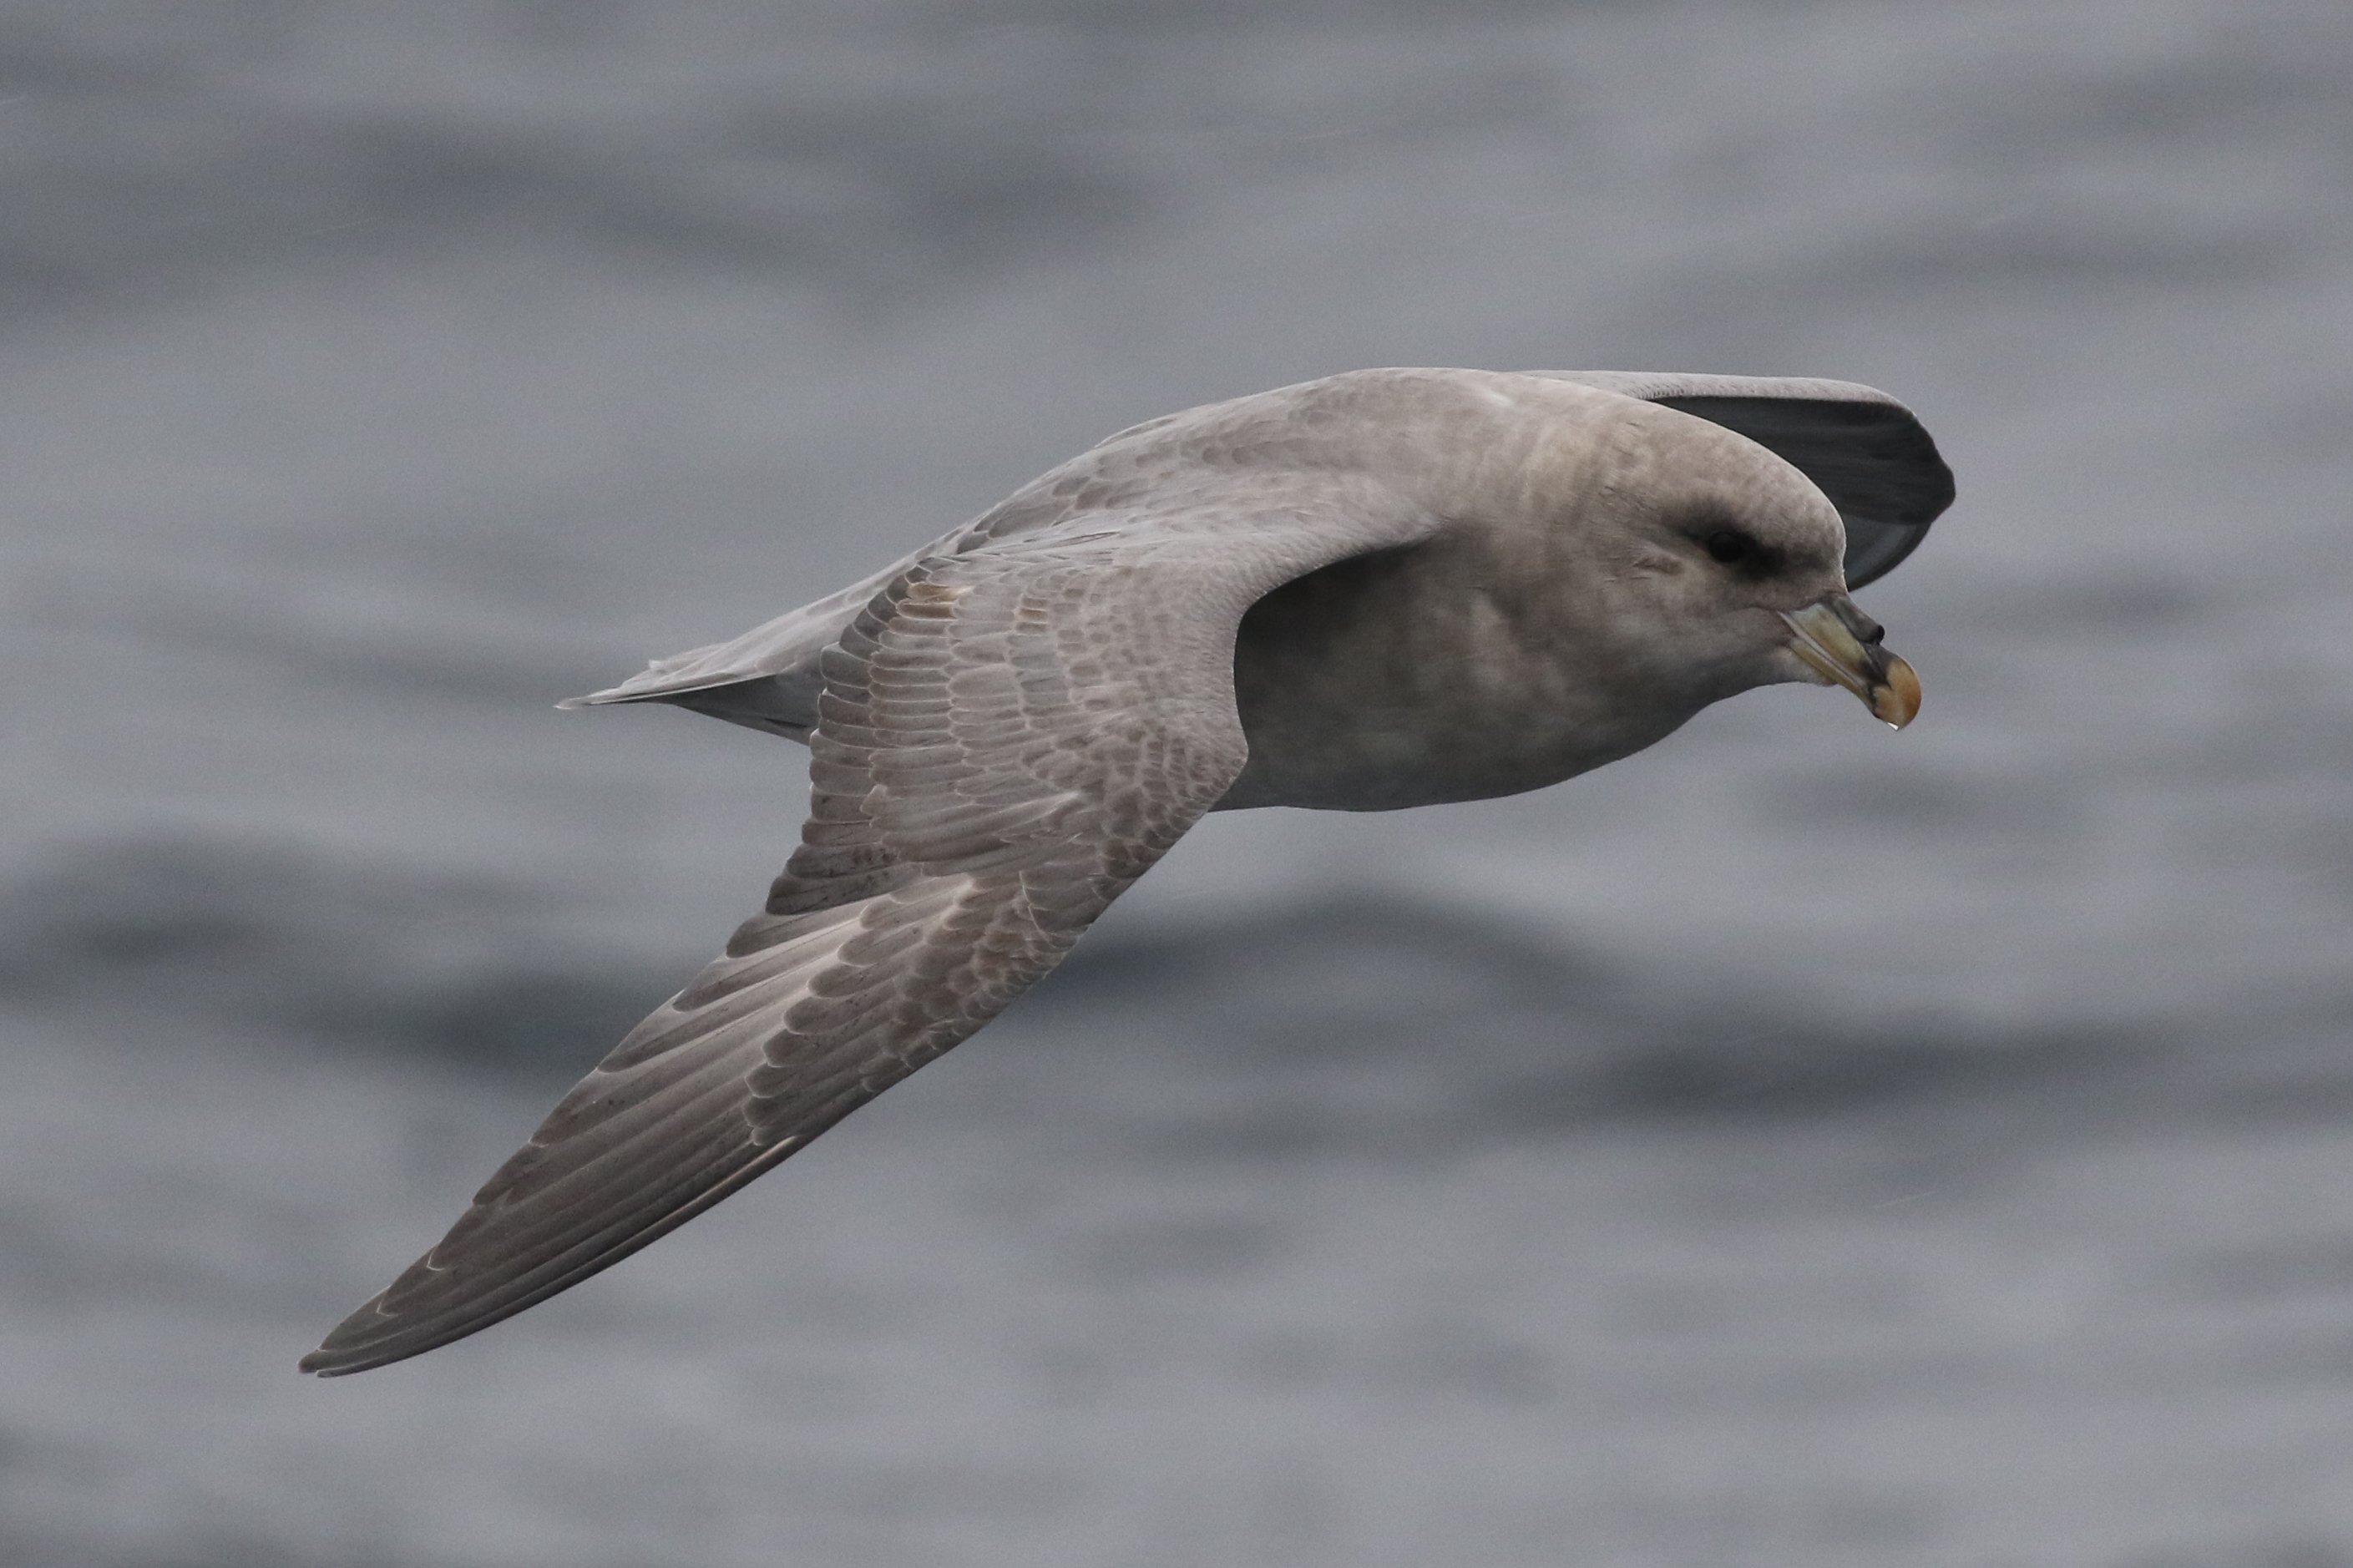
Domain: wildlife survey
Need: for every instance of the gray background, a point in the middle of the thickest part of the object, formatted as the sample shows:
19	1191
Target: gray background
1797	1145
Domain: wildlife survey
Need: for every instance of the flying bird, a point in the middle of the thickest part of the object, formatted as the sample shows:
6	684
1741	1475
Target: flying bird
1382	589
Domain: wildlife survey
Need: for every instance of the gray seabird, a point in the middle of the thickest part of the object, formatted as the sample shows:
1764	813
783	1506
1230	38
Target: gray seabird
1379	590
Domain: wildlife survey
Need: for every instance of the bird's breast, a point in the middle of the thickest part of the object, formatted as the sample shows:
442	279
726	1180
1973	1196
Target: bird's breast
1413	676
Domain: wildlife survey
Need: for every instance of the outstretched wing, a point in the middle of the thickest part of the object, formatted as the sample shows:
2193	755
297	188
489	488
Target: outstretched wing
1864	450
1006	738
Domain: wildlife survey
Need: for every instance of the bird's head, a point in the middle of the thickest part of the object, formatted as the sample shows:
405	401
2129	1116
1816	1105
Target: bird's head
1720	566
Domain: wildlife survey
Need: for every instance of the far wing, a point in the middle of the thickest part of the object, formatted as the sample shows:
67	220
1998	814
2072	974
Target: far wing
1862	448
1008	738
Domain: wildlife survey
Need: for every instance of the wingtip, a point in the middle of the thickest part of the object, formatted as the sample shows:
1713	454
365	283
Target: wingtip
355	1344
639	689
327	1362
331	1361
621	693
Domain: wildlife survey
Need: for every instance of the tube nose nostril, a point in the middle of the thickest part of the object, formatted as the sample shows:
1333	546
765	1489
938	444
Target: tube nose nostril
1866	631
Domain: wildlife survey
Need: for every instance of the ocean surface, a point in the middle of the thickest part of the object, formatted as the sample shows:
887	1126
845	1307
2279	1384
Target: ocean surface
1797	1146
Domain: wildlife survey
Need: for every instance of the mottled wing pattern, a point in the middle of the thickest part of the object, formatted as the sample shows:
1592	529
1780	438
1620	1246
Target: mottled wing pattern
1008	738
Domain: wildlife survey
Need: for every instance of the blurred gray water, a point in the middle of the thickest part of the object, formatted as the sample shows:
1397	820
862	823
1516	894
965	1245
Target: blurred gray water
1797	1145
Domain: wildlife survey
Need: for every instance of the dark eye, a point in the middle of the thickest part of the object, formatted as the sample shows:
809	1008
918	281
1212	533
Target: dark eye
1730	547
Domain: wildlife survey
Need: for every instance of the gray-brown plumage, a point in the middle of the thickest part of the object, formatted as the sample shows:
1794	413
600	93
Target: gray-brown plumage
1377	590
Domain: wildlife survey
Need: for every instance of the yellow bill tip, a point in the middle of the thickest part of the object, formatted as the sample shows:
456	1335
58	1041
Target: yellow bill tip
1895	699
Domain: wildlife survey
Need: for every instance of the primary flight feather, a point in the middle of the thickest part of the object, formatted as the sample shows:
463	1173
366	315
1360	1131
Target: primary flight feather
1382	589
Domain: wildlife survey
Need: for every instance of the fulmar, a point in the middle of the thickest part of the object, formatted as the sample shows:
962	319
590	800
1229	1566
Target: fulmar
1381	589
